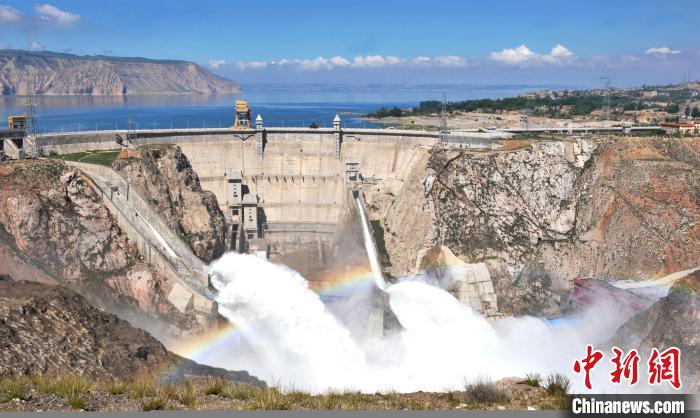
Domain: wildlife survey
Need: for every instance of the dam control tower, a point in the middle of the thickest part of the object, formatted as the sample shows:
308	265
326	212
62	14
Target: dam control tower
242	112
243	214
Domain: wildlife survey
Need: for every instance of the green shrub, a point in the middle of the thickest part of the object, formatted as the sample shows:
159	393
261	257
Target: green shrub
142	388
115	386
187	395
14	389
532	379
240	392
557	384
270	399
72	386
154	404
452	398
215	387
77	402
329	402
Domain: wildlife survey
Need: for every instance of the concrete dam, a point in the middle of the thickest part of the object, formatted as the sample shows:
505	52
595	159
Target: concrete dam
286	185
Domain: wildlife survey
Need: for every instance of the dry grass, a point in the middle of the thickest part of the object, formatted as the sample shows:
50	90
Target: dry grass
532	379
142	387
77	402
558	386
270	399
187	394
154	404
72	388
147	393
484	391
115	386
215	386
240	392
13	389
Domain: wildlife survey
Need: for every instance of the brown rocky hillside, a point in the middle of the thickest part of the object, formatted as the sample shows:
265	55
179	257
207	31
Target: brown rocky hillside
54	228
51	73
52	330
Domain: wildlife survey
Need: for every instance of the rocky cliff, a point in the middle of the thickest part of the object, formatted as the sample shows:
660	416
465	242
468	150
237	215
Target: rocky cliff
163	175
543	212
54	228
50	73
52	330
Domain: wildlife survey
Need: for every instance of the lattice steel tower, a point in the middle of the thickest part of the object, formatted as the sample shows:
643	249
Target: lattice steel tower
607	102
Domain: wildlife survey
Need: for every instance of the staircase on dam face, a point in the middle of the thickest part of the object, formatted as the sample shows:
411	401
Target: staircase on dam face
158	244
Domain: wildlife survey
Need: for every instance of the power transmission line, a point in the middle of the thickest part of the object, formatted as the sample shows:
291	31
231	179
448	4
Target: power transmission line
607	102
443	114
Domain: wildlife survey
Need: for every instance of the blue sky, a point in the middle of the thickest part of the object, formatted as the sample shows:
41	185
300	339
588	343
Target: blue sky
498	42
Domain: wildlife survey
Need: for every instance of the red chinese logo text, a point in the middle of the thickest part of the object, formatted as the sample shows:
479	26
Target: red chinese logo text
663	366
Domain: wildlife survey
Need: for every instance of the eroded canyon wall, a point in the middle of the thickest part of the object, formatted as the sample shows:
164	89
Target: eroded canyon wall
163	175
541	213
55	228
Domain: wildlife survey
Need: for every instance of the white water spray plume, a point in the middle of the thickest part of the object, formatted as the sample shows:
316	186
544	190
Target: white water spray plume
287	336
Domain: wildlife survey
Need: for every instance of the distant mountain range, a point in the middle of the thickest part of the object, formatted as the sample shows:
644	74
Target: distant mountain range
55	74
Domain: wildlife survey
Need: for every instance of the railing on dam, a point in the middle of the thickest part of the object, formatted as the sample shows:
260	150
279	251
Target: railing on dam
346	132
72	142
228	131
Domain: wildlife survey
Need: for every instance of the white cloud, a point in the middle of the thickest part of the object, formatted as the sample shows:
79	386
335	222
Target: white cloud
392	60
36	46
421	60
318	63
522	55
374	61
9	14
51	13
560	51
338	61
315	64
216	64
367	62
251	65
322	63
513	55
664	50
450	61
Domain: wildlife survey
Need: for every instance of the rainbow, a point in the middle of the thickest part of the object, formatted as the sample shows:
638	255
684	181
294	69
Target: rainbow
342	281
332	283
